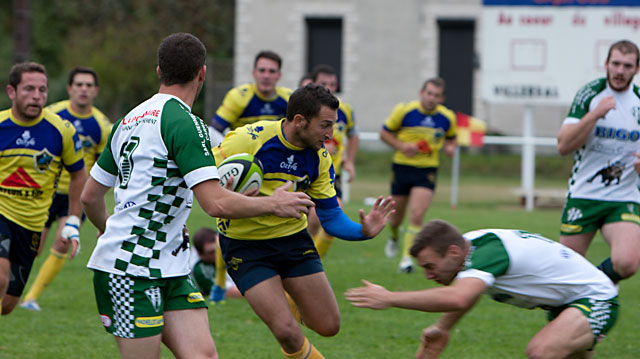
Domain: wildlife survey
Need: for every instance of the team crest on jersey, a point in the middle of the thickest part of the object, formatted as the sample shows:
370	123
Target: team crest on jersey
428	122
635	112
253	131
153	294
26	140
42	160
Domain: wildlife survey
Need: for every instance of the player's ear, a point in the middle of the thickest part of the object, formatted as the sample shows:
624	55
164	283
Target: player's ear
158	71
202	73
454	250
299	120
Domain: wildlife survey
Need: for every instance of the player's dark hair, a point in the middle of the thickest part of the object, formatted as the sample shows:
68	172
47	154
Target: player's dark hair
202	236
268	54
322	69
437	235
435	81
307	101
625	47
15	74
304	77
180	57
82	70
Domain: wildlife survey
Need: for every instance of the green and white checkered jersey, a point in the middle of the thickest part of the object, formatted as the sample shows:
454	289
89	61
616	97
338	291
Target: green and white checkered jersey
528	270
603	167
154	156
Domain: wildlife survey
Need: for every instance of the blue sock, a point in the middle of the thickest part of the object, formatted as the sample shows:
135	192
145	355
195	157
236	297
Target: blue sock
607	267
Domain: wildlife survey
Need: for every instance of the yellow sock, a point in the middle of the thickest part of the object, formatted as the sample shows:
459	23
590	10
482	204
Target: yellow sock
308	351
409	236
47	274
323	241
294	308
394	232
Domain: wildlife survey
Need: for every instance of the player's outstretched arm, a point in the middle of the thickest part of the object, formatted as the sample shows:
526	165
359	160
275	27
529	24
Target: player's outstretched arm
374	222
432	342
222	203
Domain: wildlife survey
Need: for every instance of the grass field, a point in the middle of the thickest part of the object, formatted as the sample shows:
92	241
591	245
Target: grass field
68	325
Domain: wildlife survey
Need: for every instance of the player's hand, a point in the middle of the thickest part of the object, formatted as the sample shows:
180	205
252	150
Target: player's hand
605	105
350	168
370	296
374	222
433	341
636	162
71	232
217	294
410	149
290	204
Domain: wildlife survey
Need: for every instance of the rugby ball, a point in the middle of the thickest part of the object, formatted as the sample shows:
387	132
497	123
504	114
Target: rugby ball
245	169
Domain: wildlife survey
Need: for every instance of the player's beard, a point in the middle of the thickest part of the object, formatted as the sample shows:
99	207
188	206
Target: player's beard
22	111
622	88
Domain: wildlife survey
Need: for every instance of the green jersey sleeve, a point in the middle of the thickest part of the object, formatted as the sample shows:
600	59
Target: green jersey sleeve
488	255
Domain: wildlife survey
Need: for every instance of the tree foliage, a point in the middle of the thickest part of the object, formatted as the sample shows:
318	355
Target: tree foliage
119	39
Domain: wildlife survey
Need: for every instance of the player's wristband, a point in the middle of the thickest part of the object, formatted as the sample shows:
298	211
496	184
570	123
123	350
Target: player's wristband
71	228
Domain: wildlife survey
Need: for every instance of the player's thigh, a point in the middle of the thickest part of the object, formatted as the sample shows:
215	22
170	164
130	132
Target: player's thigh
419	203
569	333
139	348
268	301
316	302
578	242
186	333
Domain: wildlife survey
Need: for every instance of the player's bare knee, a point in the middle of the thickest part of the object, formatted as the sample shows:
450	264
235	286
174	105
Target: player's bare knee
286	332
626	268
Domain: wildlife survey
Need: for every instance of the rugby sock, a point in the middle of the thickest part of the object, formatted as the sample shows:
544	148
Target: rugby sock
308	351
47	274
409	236
221	269
294	308
323	241
394	232
607	267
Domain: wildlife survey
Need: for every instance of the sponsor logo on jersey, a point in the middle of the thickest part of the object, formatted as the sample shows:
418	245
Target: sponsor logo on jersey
20	178
427	122
153	294
289	165
635	112
573	214
195	297
106	320
267	109
149	322
620	134
253	131
129	204
42	160
78	125
26	140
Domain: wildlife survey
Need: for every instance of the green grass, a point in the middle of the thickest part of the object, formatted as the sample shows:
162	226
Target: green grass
68	325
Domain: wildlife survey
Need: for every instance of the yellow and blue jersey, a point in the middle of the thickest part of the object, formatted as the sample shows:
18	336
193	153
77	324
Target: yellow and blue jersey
32	156
310	171
344	128
93	130
411	123
243	105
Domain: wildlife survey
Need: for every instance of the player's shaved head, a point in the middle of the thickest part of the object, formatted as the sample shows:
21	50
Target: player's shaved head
180	57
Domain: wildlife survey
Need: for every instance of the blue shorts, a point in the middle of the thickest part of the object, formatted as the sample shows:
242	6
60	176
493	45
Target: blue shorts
59	208
250	262
407	177
21	252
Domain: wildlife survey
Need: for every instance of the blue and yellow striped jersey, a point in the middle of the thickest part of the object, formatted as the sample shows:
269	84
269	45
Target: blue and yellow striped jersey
310	171
411	123
92	129
344	127
243	105
32	156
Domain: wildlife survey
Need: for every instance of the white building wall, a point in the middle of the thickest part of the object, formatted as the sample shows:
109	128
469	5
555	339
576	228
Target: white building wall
389	48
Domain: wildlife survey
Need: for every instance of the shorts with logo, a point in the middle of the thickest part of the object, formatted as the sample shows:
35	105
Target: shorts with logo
586	215
59	208
250	262
602	315
133	307
407	177
20	246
